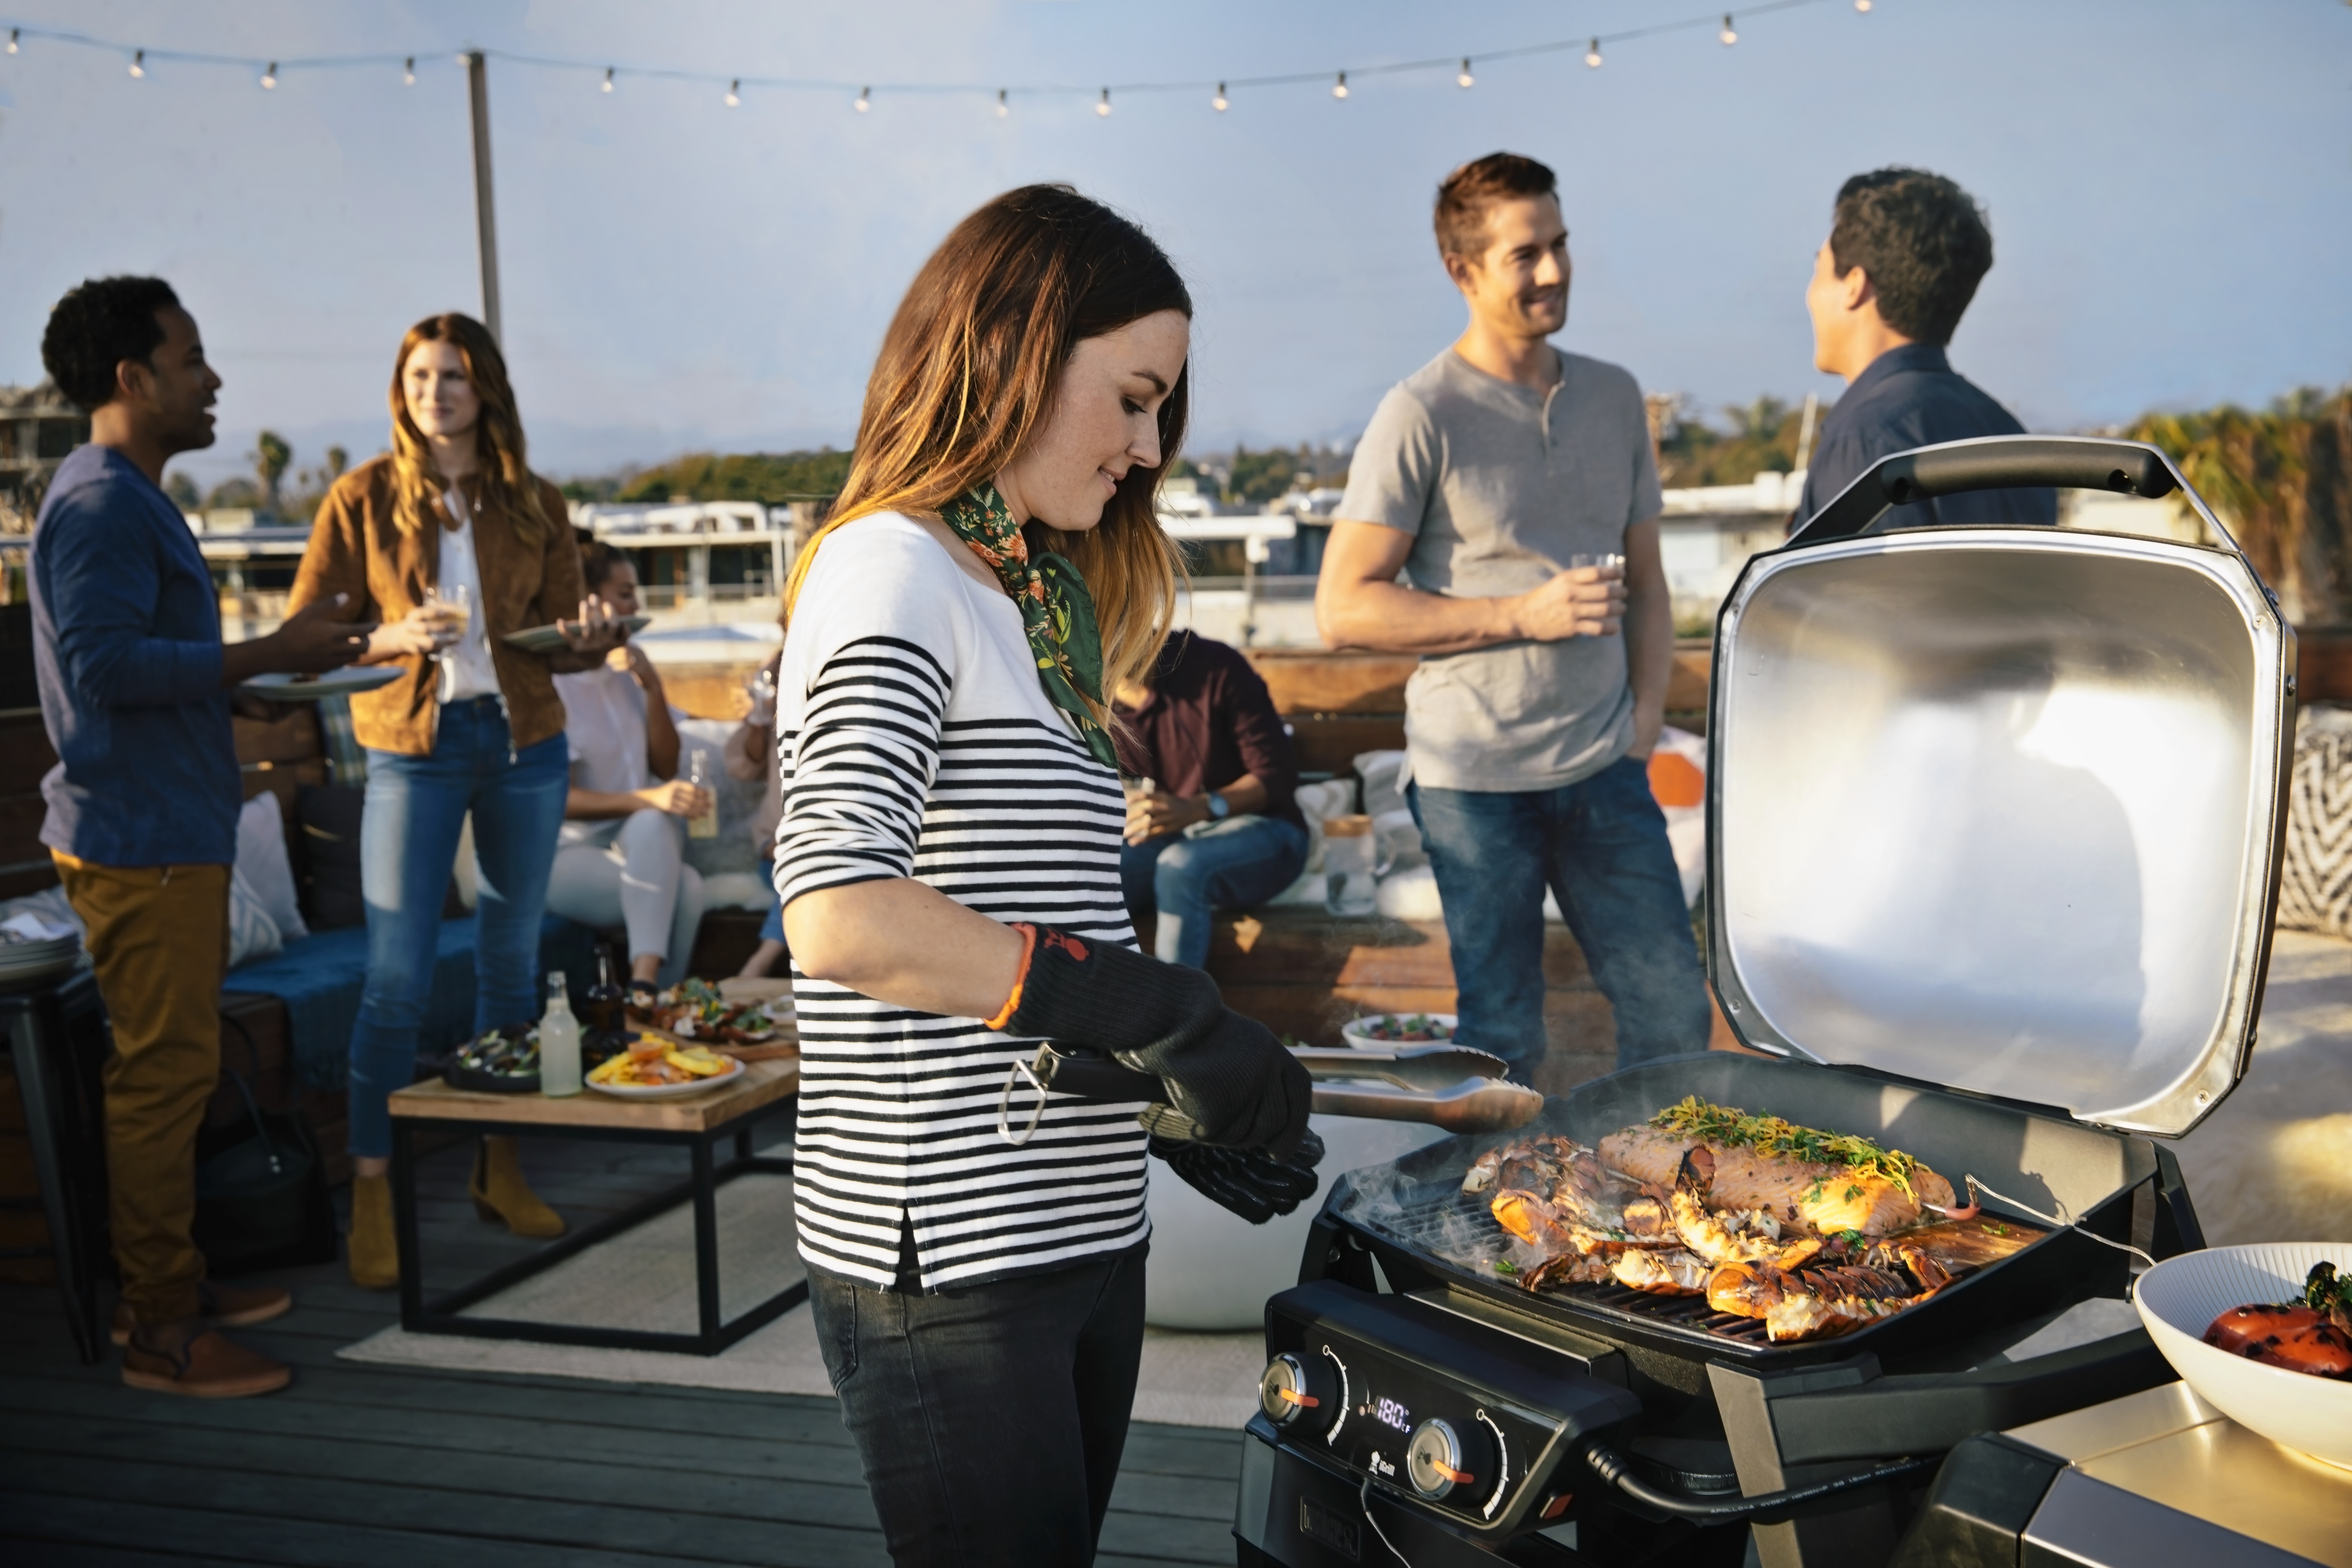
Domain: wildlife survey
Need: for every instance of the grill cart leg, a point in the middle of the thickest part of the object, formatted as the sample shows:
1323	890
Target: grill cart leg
1853	1528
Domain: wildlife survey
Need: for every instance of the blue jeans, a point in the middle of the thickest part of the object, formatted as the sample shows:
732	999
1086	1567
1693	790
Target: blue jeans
1600	846
408	842
1229	865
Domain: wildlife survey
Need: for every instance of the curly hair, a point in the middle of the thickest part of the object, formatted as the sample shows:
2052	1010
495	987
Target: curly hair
1923	242
98	326
1468	192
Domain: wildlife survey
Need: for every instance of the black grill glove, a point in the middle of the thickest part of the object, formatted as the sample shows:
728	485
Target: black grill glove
1229	1080
1250	1182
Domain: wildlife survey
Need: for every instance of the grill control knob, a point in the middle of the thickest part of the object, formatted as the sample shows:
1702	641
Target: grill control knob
1299	1390
1443	1462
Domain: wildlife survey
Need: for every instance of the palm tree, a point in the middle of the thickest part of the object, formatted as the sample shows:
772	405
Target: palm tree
271	456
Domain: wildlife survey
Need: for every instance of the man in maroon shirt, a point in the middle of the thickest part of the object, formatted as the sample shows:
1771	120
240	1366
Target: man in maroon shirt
1217	827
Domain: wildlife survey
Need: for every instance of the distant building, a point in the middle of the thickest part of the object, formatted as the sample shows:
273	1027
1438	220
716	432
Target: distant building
37	428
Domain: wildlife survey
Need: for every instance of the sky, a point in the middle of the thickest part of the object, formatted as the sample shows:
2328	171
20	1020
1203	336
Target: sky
2169	183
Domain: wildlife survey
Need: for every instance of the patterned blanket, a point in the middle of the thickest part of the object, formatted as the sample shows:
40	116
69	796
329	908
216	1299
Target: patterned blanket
2315	891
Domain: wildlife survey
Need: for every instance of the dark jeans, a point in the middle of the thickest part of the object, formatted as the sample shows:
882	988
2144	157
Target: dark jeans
990	1420
1235	864
1600	846
416	808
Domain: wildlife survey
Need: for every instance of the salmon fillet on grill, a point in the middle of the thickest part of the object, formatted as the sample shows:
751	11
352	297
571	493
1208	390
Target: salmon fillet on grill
1822	1199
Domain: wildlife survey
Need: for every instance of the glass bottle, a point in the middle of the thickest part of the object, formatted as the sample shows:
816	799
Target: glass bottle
606	1019
698	775
558	1042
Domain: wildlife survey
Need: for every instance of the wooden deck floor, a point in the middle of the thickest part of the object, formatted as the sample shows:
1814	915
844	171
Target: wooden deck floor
367	1465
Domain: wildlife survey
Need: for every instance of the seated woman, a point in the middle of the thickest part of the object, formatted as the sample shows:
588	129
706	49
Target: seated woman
621	855
751	753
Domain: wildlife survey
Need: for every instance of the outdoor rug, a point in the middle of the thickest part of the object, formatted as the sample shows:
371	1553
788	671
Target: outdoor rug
643	1279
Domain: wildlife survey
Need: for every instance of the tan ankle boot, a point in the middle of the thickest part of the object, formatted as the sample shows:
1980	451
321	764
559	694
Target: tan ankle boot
374	1256
499	1192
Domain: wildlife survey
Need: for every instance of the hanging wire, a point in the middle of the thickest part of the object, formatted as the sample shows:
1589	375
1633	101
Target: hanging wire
1976	1187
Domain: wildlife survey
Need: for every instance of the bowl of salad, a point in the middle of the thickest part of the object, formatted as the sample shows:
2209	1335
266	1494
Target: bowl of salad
1400	1029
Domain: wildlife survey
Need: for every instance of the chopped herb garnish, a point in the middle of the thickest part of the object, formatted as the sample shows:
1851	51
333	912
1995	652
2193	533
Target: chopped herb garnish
1773	1135
1851	1194
1505	1266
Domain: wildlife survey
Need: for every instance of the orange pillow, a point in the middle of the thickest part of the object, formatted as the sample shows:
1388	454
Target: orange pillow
1676	781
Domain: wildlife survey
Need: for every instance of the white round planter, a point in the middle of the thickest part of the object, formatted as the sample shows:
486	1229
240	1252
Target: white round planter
1211	1270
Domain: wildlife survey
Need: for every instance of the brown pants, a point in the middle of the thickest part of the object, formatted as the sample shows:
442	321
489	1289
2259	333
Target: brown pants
158	937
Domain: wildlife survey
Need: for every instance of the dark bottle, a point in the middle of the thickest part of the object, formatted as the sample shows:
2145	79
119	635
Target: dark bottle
607	1031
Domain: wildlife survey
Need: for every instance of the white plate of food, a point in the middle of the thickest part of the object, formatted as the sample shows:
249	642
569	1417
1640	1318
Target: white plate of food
1401	1029
344	682
653	1068
547	640
2252	1300
696	1010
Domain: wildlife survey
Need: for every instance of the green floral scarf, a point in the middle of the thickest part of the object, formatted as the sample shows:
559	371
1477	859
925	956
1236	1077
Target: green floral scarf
1056	610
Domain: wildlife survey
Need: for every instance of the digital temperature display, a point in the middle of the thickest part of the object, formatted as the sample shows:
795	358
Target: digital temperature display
1388	1413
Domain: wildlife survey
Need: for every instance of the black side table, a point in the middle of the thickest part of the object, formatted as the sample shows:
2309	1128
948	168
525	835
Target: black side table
57	1036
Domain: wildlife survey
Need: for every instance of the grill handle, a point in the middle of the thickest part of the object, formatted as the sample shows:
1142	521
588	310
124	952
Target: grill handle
1989	463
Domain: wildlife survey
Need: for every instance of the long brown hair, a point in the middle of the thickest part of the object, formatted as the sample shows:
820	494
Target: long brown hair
507	490
966	380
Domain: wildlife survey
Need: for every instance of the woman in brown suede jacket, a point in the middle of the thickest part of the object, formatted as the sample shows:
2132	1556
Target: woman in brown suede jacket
451	543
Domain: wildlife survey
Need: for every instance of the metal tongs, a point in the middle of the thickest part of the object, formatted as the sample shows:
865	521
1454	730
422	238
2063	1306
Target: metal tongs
1452	1087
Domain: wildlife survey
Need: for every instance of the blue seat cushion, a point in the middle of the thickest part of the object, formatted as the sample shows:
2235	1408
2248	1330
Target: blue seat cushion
320	978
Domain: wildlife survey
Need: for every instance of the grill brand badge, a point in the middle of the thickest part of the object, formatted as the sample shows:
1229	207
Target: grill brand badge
1330	1528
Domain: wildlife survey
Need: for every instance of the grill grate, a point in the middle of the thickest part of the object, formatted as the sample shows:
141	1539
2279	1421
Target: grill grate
1437	1224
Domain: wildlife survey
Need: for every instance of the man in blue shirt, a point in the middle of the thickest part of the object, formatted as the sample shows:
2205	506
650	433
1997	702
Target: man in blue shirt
1905	254
143	801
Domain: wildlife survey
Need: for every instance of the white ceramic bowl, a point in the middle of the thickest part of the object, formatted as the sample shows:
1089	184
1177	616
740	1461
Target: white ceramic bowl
2180	1297
1353	1030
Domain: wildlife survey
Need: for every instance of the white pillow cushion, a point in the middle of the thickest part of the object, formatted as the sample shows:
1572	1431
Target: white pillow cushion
261	861
252	933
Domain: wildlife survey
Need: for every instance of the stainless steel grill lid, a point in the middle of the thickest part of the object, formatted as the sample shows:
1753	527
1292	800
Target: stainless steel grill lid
2000	808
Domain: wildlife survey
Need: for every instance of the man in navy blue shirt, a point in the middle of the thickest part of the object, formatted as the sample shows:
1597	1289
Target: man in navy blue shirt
1905	254
143	801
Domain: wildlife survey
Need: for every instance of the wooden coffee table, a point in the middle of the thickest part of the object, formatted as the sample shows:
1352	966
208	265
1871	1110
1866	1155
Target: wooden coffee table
697	1122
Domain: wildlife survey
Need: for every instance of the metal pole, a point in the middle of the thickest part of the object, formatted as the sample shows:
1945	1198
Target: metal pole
486	222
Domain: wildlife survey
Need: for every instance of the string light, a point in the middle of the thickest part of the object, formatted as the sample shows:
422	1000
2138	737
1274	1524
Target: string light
734	99
864	100
139	63
1863	6
1339	88
13	32
1592	55
1219	102
1103	108
1730	35
270	77
1003	108
408	72
1465	79
608	79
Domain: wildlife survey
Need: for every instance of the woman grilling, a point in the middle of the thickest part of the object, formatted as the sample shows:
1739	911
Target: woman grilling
949	863
451	542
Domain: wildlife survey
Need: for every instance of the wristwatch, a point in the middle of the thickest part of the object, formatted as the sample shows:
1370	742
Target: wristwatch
1220	807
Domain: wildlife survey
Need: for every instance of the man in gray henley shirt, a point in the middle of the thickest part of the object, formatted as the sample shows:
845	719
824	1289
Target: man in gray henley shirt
1515	487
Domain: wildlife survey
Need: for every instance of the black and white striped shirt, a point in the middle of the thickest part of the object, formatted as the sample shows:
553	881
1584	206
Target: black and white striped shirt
915	741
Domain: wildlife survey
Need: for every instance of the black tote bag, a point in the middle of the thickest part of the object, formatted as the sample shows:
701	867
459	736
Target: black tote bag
261	1191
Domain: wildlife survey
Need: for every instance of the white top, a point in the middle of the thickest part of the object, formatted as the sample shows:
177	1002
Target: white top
915	741
605	725
465	668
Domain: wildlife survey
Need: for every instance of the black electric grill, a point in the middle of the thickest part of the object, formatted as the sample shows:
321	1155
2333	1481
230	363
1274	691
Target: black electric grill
2057	953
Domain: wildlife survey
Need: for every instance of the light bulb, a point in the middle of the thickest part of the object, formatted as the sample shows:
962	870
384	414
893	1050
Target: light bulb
1592	55
1219	102
1466	79
12	38
1339	88
270	77
1003	108
1730	35
408	72
864	100
1863	6
139	63
1103	108
734	99
608	79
